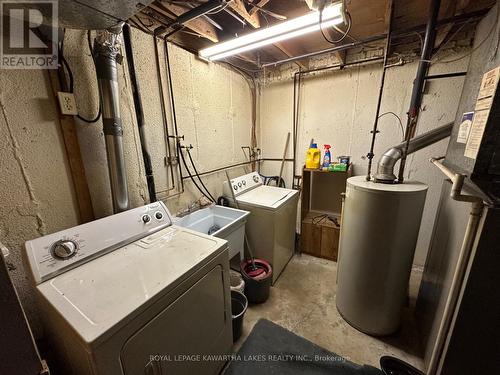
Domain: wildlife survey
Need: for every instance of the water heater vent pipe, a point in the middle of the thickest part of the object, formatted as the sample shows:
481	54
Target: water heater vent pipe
387	162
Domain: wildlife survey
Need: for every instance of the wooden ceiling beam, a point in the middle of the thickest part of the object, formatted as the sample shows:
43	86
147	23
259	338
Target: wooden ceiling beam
259	4
455	8
286	51
340	56
239	7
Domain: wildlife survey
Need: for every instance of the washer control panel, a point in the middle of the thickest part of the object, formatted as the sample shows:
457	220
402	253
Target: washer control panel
56	253
243	184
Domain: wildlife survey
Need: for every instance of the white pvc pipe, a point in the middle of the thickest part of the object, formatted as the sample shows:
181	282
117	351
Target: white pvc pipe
477	206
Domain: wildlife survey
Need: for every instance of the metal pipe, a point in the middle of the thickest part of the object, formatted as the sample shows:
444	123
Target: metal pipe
385	169
192	14
139	112
445	75
328	50
340	65
166	56
418	84
375	131
477	206
466	17
106	49
227	167
294	130
163	114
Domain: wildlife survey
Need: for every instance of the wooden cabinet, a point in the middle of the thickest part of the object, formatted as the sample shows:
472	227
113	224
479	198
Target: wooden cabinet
321	209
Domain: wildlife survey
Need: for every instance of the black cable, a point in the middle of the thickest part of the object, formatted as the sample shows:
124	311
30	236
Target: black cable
198	175
190	175
279	181
399	119
99	110
345	33
65	66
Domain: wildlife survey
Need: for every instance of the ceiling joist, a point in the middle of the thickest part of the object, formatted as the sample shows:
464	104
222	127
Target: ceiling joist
239	7
259	4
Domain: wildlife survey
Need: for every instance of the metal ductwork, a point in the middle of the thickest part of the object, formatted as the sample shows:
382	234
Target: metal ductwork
106	52
386	164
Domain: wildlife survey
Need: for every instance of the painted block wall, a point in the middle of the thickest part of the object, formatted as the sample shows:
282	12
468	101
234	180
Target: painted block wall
37	198
338	108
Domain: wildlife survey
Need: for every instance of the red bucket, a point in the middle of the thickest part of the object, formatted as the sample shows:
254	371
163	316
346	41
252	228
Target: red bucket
258	279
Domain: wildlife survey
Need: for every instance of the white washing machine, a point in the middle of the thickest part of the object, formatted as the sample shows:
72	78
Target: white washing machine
273	214
134	294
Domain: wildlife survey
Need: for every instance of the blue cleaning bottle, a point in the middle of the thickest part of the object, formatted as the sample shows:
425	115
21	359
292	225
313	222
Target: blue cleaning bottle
327	158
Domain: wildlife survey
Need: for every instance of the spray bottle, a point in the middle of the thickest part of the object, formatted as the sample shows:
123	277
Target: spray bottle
327	158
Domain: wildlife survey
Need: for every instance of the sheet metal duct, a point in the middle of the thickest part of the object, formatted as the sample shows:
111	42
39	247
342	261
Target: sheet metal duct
106	52
385	169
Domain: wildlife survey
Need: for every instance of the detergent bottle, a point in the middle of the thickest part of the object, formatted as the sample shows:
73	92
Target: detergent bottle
327	158
313	157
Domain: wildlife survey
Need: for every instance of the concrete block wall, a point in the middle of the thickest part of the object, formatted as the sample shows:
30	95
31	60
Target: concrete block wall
338	107
37	198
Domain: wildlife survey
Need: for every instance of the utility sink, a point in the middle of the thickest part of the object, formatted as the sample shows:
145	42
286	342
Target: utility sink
219	221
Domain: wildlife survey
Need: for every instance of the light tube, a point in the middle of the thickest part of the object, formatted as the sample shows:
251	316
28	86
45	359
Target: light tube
282	31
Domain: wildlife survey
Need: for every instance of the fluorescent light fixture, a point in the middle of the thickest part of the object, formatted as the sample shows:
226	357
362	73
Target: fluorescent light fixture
285	30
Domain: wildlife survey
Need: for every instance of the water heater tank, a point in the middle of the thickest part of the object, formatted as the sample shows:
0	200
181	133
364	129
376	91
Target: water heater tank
380	225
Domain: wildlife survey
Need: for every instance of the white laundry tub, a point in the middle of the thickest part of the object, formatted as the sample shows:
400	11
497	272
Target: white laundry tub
219	221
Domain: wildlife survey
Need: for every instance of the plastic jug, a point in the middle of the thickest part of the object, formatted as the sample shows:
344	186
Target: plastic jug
313	157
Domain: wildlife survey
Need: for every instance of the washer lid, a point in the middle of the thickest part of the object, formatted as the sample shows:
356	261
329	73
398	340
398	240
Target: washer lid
99	294
267	196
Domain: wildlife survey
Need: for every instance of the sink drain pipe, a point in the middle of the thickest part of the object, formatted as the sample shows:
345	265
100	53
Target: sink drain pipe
106	52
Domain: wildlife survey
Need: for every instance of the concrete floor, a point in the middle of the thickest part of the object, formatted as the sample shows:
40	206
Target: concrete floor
303	301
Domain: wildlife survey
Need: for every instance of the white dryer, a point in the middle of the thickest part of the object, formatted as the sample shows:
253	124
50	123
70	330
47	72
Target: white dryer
134	294
273	215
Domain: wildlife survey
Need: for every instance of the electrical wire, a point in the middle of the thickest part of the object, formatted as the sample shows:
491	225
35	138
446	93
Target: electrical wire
221	8
399	119
493	27
66	68
346	33
198	175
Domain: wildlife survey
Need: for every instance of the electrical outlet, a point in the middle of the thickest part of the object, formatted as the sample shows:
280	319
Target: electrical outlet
67	103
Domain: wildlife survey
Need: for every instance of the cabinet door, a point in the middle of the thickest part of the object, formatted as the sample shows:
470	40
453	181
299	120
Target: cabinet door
178	339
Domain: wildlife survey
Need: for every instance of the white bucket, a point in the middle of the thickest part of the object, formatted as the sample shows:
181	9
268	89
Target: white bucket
236	281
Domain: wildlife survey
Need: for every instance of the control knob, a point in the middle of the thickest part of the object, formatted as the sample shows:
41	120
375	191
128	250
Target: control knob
64	249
